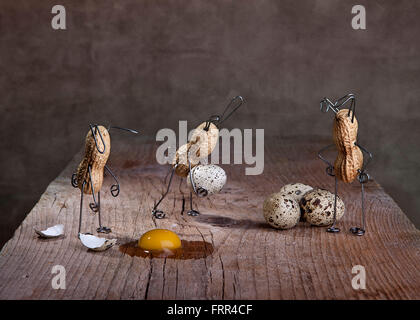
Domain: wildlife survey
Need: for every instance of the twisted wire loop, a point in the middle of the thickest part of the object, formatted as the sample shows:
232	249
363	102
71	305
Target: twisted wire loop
74	180
93	207
115	190
326	104
330	171
201	192
363	176
234	104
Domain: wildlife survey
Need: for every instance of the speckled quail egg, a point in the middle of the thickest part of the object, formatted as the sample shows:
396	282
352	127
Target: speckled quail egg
296	190
209	177
318	207
281	211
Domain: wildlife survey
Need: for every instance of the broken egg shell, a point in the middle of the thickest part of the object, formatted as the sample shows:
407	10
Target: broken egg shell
209	177
281	211
95	243
318	207
51	232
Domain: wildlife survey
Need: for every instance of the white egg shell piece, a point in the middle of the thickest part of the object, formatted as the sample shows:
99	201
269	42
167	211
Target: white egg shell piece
51	232
281	211
95	243
209	177
296	190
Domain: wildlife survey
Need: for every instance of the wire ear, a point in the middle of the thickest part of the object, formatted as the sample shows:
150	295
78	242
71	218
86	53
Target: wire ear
233	105
125	129
326	104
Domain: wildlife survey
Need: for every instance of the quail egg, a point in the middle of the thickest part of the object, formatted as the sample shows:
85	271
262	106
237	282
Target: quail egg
281	211
318	207
296	190
209	177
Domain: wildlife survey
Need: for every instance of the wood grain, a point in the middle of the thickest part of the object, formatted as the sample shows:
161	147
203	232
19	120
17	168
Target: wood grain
250	259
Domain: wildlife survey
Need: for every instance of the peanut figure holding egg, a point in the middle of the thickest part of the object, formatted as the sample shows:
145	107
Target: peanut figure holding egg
203	180
349	163
90	172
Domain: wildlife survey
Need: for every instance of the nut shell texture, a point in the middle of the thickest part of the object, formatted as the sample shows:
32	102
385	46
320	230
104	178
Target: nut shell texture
95	160
203	142
350	158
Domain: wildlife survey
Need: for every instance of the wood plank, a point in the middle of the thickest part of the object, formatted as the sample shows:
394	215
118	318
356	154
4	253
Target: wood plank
250	259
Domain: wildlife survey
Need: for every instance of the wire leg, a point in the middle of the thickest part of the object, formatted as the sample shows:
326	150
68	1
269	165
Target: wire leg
360	231
101	229
81	208
183	197
192	212
159	214
333	228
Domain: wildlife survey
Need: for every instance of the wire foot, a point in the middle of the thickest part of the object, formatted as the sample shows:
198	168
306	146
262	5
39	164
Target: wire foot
158	214
193	213
333	230
357	231
103	230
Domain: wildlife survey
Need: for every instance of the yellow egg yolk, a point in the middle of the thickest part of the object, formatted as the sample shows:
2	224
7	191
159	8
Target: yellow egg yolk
159	239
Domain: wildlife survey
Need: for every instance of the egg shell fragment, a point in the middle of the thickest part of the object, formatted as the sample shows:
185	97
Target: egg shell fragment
209	177
51	232
318	207
281	211
95	243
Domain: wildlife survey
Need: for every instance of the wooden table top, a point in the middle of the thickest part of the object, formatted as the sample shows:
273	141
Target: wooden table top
247	260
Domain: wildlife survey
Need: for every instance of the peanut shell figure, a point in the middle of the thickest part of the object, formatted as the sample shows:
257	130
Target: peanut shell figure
90	172
349	163
186	161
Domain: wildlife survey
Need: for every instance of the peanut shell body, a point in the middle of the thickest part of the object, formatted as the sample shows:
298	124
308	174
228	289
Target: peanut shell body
350	158
201	144
95	159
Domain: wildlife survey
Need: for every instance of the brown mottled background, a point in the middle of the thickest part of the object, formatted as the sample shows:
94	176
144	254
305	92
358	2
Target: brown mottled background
148	63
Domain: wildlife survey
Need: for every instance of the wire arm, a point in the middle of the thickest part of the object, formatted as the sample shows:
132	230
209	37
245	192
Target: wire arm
115	188
330	168
363	175
93	206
